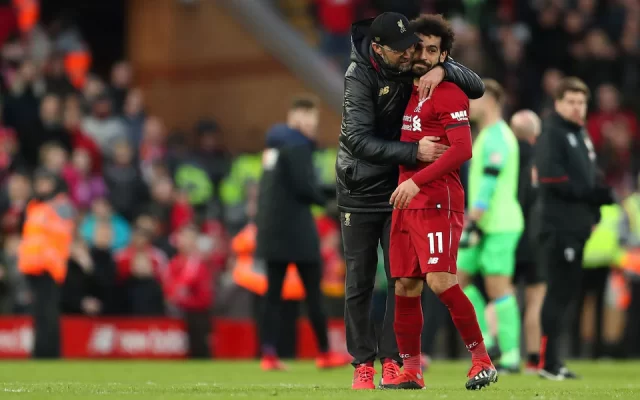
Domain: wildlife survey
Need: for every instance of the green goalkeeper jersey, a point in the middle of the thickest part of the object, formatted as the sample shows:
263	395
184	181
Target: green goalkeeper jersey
493	179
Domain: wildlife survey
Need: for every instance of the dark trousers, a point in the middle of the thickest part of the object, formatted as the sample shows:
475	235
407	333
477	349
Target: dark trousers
310	274
361	234
45	311
594	283
632	331
560	253
198	328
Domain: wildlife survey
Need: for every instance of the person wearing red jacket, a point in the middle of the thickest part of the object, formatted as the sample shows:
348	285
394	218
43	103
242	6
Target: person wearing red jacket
139	271
188	284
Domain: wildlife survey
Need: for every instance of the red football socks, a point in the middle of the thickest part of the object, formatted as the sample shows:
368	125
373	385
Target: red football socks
465	320
408	328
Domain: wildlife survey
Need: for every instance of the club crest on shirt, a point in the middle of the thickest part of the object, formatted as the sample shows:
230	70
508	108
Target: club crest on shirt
419	107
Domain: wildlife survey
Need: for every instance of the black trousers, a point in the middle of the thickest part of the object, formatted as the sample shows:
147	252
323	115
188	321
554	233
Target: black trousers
560	253
632	331
310	274
198	328
45	311
594	283
361	234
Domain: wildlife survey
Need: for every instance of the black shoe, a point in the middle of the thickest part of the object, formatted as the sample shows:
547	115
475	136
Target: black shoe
494	353
482	379
557	374
508	370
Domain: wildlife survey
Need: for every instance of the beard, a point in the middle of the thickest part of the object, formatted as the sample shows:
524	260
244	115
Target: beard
398	66
420	68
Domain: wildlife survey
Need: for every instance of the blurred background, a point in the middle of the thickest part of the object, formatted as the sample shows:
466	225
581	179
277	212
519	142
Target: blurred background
153	112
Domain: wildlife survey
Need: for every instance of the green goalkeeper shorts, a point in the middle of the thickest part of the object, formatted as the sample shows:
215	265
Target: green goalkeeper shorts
494	255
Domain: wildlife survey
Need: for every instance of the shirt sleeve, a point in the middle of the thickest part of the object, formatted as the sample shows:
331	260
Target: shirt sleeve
452	111
495	152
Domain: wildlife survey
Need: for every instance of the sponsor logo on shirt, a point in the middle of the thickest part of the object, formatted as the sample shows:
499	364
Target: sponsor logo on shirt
460	116
412	123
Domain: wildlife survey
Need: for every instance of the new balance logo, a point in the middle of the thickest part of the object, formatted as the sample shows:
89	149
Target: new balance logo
460	115
433	260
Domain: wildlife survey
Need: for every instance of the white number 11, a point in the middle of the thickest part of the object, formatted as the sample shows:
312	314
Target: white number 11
438	236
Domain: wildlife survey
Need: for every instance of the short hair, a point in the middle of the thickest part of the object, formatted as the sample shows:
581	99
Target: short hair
494	89
304	102
572	84
435	25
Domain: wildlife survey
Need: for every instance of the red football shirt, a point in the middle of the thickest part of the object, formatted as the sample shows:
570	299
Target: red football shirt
444	115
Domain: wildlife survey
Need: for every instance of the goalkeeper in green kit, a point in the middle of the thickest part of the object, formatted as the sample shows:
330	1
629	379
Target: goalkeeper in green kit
493	226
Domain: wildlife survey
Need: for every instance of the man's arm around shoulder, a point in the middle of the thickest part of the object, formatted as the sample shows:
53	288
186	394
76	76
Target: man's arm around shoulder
358	123
467	80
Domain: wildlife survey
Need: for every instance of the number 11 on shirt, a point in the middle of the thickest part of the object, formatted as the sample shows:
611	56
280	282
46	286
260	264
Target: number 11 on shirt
438	237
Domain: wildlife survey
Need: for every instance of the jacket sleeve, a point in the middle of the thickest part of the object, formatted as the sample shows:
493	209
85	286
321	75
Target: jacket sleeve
552	173
464	78
358	126
301	175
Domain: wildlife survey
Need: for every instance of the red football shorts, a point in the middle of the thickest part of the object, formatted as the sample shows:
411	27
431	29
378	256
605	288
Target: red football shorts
424	241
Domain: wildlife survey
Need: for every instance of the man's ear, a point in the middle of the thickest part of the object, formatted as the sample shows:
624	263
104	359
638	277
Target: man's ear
376	49
443	56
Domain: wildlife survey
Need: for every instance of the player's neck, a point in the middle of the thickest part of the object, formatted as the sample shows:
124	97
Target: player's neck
491	119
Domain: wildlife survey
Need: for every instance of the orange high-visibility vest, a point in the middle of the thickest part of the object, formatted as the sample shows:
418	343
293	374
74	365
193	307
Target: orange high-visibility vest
77	64
28	12
46	239
246	276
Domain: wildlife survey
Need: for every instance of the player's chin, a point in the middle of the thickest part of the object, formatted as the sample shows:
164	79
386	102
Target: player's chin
419	69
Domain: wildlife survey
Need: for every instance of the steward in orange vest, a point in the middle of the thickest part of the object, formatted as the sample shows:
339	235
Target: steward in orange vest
42	256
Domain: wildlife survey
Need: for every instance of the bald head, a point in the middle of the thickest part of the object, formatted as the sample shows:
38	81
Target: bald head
525	125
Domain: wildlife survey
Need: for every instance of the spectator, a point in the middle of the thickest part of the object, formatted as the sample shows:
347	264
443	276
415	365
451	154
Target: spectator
102	125
93	88
21	112
139	270
609	110
55	77
124	181
84	186
120	84
172	206
79	140
102	213
80	286
134	116
188	285
53	157
9	157
152	147
13	204
211	154
51	129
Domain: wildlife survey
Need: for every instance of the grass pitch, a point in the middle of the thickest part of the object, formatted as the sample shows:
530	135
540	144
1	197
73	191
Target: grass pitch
226	380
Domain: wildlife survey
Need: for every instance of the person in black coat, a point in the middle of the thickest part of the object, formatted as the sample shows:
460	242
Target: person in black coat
286	228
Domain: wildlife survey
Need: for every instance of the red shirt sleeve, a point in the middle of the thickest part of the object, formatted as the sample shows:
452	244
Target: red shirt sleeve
452	110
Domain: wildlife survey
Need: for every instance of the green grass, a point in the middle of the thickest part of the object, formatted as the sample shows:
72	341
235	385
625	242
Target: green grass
244	380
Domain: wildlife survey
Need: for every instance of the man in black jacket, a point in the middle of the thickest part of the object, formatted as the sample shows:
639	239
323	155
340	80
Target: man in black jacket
378	85
570	197
286	228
